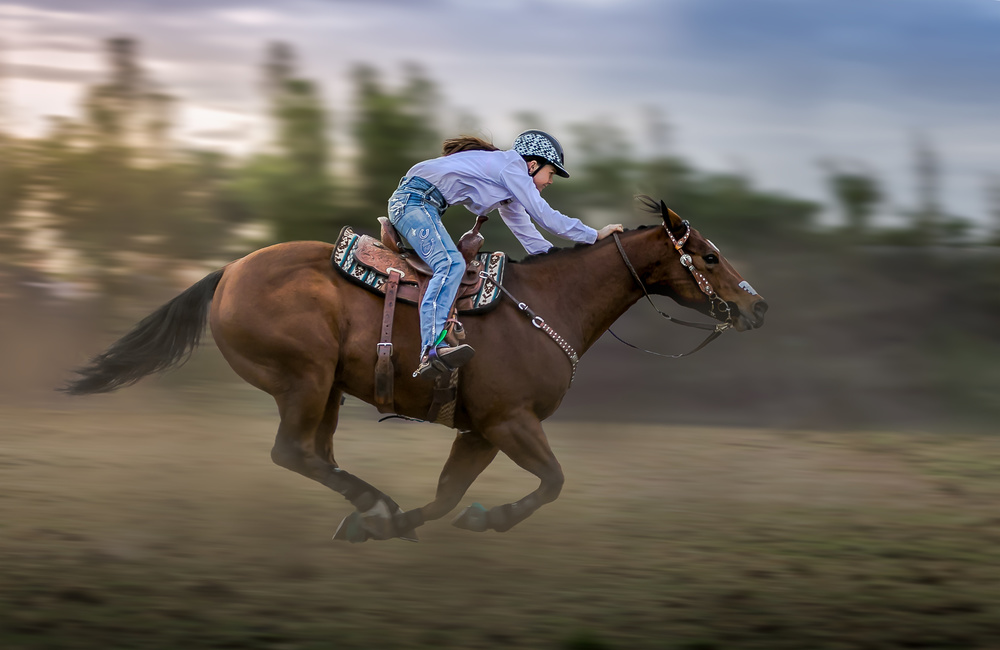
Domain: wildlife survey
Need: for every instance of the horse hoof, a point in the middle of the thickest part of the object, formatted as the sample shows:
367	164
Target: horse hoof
374	523
351	529
472	518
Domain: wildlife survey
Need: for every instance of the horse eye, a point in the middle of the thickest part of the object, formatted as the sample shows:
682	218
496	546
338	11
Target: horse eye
711	258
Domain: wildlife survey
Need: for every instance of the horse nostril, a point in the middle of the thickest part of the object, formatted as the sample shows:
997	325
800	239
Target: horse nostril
760	309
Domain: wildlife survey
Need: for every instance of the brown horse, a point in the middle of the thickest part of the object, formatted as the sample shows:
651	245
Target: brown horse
293	326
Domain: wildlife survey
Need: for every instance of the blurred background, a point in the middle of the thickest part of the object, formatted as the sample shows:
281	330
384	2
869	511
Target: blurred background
842	154
819	483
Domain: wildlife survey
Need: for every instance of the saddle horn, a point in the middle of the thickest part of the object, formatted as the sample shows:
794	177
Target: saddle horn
470	243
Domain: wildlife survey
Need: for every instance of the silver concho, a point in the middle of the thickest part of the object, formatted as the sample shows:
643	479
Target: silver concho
686	261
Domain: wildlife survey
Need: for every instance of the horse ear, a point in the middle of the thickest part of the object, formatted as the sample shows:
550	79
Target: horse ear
670	217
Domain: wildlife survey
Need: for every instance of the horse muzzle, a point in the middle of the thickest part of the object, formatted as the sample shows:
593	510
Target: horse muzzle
744	320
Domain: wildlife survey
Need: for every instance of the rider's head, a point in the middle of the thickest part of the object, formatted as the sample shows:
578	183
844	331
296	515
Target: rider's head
544	156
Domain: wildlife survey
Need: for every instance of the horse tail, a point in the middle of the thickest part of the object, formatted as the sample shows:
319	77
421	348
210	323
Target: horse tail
162	340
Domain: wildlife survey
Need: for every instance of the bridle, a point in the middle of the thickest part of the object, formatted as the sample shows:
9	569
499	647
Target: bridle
717	303
718	307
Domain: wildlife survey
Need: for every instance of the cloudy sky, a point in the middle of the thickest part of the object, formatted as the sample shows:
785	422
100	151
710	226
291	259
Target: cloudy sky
768	87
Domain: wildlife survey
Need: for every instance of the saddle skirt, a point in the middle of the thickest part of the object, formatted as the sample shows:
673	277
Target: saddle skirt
367	261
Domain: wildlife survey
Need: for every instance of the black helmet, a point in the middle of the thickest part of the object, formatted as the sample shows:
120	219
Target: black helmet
541	144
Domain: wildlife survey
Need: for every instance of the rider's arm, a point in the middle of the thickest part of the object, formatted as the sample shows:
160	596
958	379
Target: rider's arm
515	177
519	222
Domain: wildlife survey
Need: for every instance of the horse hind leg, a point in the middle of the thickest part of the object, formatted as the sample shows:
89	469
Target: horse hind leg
304	444
524	442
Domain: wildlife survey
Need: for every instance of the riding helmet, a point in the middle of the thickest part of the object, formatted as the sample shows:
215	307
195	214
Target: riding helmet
541	144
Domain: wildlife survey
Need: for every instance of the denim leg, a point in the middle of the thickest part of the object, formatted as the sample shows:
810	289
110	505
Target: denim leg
421	225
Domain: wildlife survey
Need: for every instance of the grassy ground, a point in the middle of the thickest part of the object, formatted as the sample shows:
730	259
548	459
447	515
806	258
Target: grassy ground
166	526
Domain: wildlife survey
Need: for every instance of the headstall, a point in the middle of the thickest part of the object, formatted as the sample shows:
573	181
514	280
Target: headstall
718	306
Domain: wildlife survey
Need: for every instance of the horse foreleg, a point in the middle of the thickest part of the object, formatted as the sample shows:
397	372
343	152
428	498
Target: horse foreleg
470	454
304	445
524	442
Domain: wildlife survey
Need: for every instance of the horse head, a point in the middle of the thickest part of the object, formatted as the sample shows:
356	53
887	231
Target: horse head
696	274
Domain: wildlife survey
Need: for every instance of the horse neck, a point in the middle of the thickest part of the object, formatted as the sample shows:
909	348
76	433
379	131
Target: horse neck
581	292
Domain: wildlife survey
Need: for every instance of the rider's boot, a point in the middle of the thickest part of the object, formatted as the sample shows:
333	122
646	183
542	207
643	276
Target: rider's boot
442	359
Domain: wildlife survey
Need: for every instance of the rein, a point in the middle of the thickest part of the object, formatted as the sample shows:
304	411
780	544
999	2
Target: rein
703	284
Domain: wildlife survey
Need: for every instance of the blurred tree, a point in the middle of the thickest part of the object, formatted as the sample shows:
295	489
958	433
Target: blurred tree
993	207
129	111
727	206
124	205
468	123
658	132
290	188
526	120
930	223
857	192
926	217
605	170
392	131
280	67
15	176
663	175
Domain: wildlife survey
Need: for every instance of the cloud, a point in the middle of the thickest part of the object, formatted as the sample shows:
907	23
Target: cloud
51	73
813	50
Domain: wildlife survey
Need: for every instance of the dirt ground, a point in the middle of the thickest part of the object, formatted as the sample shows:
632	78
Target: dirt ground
162	523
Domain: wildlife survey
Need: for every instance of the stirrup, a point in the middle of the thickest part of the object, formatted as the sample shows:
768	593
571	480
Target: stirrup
444	359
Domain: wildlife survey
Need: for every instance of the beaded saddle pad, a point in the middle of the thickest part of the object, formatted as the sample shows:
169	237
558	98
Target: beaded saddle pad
365	260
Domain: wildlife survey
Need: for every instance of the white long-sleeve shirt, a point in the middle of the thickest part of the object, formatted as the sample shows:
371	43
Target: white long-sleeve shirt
486	180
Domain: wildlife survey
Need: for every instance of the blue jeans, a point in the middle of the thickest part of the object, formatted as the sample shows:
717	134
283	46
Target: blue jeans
415	210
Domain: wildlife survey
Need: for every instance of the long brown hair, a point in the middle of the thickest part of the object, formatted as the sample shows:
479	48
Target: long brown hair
466	143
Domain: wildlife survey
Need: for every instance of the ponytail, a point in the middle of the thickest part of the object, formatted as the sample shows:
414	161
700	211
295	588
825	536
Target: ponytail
466	143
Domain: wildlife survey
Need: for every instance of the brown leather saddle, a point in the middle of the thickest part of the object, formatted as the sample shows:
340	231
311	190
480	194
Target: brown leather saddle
388	267
368	261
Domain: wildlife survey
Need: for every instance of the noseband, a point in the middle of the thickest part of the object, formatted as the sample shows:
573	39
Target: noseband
718	306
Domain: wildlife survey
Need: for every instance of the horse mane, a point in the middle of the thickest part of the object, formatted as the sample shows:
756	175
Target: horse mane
561	250
649	204
646	203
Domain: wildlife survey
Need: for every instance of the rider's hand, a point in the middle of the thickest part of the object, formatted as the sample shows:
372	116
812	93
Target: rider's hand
608	229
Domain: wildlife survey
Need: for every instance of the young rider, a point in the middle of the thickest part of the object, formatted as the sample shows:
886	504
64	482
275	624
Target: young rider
481	177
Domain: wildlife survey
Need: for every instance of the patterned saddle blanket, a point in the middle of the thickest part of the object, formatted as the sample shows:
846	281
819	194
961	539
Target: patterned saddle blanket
366	261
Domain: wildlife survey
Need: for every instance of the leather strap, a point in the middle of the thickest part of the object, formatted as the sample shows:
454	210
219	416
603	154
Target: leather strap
717	329
642	285
384	371
540	323
442	408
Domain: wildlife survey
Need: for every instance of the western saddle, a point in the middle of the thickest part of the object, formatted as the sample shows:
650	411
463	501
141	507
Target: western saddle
390	267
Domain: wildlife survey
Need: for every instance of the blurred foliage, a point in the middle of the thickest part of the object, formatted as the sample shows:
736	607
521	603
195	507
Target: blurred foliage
107	193
15	175
393	130
289	188
111	202
857	193
111	189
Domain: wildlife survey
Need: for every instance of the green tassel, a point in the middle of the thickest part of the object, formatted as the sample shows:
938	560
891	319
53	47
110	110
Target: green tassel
443	334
